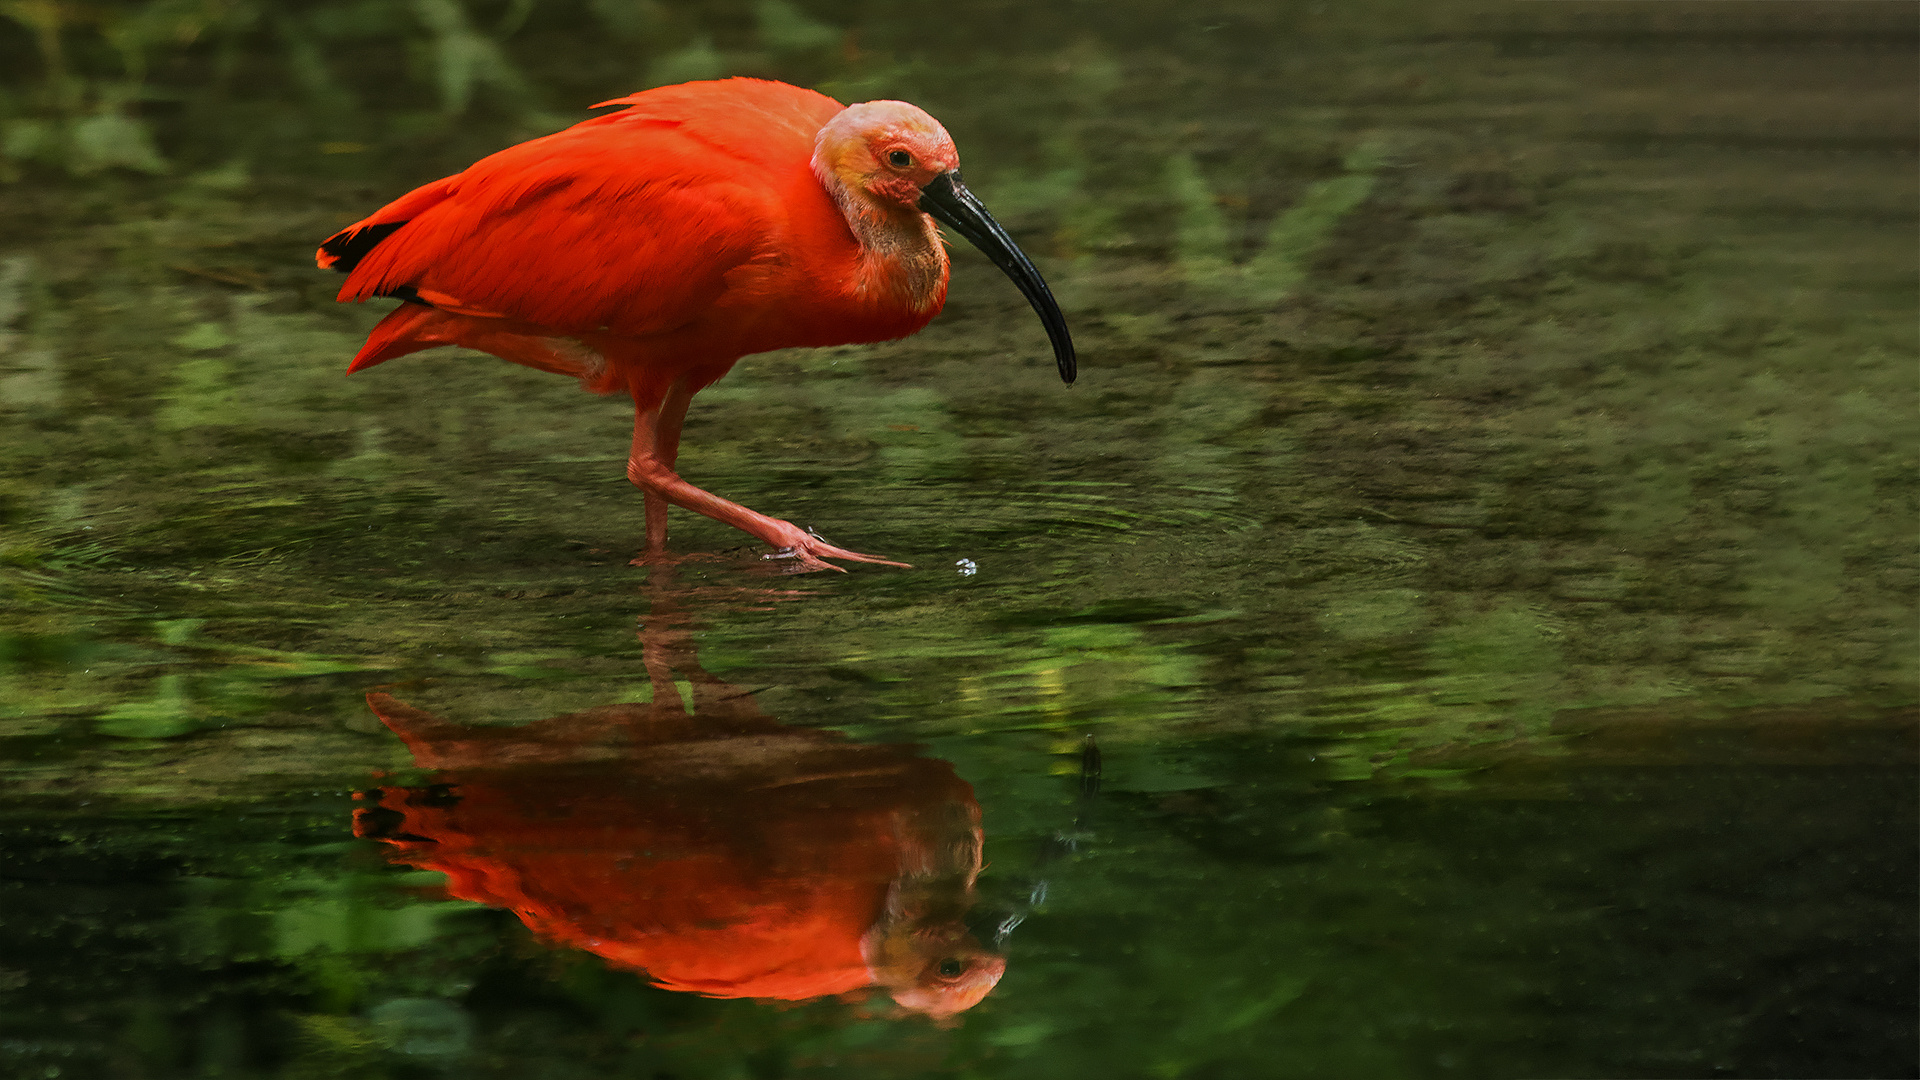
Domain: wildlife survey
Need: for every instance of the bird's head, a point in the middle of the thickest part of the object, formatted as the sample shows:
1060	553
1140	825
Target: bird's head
884	159
887	150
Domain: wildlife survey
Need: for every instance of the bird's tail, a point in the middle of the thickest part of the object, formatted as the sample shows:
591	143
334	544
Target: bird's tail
408	328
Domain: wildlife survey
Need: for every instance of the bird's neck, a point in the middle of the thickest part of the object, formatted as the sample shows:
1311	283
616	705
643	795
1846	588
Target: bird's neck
902	261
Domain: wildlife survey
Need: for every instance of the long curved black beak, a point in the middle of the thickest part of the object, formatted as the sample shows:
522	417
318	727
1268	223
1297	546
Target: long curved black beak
951	204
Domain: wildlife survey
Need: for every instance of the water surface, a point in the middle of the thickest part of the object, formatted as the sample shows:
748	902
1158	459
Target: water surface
1480	543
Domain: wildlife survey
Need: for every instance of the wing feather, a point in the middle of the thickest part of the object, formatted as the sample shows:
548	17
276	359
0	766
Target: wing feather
630	222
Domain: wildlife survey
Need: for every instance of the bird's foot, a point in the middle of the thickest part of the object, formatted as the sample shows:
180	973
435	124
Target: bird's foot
809	551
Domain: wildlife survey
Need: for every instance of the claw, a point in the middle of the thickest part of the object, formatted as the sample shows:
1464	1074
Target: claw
812	551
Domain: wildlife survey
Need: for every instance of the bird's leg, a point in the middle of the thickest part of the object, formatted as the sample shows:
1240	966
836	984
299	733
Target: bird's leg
656	446
660	429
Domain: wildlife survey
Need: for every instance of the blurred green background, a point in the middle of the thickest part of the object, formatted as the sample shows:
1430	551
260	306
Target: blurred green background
1482	537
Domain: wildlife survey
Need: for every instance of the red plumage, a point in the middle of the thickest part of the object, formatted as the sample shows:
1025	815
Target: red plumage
649	249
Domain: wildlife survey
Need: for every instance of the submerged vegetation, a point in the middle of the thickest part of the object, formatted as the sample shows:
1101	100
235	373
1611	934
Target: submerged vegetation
1549	423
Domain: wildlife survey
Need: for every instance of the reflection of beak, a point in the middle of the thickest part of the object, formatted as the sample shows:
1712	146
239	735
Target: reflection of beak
949	201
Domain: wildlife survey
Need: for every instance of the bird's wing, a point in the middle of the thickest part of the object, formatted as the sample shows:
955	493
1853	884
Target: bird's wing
629	222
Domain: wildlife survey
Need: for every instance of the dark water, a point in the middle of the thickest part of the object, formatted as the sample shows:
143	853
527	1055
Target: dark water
1481	543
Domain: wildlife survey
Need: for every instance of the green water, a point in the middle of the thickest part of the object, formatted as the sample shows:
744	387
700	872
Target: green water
1481	540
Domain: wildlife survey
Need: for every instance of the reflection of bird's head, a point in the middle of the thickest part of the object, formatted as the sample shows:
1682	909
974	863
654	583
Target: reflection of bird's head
935	969
951	983
887	150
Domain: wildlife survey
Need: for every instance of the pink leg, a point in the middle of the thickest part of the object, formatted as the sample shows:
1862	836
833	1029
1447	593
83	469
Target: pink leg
659	431
656	446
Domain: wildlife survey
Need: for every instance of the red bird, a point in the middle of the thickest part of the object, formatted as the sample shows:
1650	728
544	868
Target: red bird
649	249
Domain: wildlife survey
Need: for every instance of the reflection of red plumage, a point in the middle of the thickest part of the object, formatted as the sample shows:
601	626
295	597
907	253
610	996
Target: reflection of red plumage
720	853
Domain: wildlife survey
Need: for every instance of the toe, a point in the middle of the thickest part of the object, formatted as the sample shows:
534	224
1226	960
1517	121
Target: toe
813	555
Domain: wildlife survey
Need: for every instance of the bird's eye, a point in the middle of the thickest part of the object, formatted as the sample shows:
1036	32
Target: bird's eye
950	968
900	159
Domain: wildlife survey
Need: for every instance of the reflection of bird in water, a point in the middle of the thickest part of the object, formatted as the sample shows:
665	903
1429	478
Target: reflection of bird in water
649	249
703	842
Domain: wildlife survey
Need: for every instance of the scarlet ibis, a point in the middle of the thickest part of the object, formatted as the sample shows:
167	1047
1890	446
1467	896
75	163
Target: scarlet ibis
649	249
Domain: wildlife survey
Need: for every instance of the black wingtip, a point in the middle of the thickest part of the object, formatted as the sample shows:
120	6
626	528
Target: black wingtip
343	250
